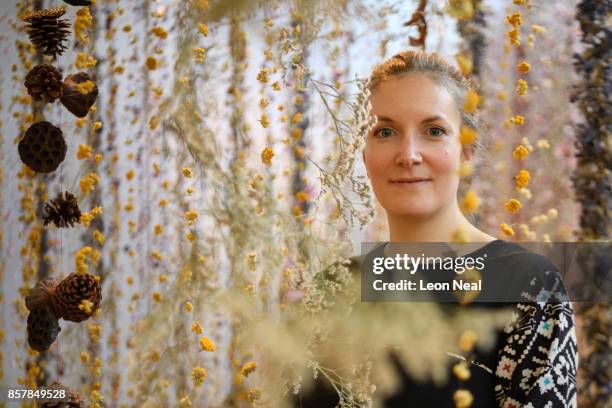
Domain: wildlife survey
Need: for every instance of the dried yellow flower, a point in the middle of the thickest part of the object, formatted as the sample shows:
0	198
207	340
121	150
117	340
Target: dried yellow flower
85	87
513	205
462	371
196	327
84	60
522	179
153	122
157	255
465	63
514	36
266	155
470	202
523	67
89	182
297	118
472	99
254	394
206	344
467	340
82	23
301	196
463	399
185	402
86	306
198	374
263	75
517	120
520	151
248	368
99	237
521	87
160	32
265	120
203	28
465	169
151	63
514	19
543	144
84	151
84	356
467	135
191	217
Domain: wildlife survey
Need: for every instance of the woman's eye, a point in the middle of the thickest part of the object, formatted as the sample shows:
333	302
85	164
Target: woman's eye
436	131
384	132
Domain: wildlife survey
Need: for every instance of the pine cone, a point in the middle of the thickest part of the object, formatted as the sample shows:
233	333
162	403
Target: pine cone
47	32
73	398
41	295
63	212
78	2
71	291
75	101
44	83
43	148
42	328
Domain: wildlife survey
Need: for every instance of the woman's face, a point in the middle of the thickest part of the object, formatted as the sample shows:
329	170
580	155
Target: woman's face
413	152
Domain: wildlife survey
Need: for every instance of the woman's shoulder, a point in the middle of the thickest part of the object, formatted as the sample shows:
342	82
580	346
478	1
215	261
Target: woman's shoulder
537	276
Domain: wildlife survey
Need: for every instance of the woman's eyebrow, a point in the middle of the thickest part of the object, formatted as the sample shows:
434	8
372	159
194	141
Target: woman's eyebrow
433	119
384	119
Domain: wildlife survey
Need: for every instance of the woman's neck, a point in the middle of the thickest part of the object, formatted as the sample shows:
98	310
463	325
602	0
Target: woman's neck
437	228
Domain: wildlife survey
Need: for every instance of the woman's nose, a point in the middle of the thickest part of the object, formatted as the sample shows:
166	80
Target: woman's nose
409	152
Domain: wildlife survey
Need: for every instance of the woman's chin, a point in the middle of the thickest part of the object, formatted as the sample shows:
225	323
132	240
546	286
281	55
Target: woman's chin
414	211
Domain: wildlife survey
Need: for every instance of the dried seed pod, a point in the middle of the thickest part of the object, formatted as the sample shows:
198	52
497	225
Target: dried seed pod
72	98
41	295
63	211
75	400
43	147
78	2
72	291
47	32
43	328
44	83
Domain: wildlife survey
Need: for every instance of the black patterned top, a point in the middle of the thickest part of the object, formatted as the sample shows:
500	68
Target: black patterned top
535	360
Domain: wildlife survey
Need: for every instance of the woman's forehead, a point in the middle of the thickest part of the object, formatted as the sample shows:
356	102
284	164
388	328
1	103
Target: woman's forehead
414	96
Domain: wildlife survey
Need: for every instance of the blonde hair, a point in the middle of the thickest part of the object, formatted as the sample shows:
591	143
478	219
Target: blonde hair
436	68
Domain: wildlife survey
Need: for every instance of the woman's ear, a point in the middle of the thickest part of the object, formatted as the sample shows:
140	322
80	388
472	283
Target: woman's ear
467	152
364	162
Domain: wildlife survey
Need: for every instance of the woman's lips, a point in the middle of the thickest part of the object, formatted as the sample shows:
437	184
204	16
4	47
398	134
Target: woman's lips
409	182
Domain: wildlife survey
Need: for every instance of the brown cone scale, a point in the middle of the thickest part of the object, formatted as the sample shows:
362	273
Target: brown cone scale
44	83
47	32
71	291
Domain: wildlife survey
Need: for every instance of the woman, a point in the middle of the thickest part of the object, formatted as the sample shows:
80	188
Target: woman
412	156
